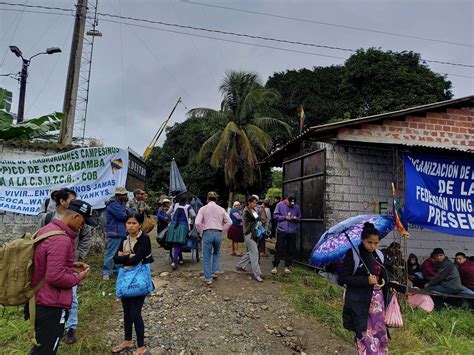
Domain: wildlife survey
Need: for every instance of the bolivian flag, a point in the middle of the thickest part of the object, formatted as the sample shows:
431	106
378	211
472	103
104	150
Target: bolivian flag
398	213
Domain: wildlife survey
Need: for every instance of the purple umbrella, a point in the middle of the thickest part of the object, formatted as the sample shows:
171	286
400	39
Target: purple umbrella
333	244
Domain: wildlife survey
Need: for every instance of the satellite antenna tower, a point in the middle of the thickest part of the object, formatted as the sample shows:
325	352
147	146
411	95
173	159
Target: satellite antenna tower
85	71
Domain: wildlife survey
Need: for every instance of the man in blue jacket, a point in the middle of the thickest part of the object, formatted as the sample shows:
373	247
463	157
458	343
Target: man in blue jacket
288	215
116	213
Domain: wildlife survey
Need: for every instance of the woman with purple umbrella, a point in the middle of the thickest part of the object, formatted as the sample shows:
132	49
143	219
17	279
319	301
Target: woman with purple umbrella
366	293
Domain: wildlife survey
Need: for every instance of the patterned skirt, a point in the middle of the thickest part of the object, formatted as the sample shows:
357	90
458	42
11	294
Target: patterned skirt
236	233
177	233
375	339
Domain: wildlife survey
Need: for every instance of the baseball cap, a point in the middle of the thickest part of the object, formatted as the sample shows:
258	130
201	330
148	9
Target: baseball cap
166	201
292	200
121	191
84	209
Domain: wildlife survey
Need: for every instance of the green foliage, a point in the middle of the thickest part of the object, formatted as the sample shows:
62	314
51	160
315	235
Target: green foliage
448	331
273	192
24	131
96	304
277	178
183	141
370	82
238	146
5	99
377	81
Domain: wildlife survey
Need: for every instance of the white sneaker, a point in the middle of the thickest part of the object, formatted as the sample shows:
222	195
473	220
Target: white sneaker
287	271
275	271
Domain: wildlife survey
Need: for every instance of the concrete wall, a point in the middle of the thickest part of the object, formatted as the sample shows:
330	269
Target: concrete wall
358	181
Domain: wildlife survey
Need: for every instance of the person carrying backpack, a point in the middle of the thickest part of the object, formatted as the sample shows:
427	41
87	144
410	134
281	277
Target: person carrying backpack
56	273
82	245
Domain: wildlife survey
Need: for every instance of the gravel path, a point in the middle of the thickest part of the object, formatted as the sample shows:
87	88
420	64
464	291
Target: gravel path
235	315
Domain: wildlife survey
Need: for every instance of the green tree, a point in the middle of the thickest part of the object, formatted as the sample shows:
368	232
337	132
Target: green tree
378	81
370	82
237	145
29	129
183	141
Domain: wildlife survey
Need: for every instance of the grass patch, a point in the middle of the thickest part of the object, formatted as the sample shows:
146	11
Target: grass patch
94	311
450	331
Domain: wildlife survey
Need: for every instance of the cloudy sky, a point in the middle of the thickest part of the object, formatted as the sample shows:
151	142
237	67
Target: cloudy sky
138	73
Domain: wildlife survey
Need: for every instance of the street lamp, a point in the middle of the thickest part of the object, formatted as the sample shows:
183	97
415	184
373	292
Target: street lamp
24	74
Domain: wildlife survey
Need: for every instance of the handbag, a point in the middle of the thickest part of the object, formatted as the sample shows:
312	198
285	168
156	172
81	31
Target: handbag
134	282
393	315
148	224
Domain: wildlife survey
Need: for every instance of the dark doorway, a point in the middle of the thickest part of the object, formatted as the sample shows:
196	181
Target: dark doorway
305	178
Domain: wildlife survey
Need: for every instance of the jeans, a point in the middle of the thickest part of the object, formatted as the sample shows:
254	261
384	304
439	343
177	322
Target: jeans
113	245
211	247
451	291
72	319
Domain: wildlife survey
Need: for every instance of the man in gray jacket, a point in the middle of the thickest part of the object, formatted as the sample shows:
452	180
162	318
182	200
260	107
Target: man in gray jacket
447	280
62	199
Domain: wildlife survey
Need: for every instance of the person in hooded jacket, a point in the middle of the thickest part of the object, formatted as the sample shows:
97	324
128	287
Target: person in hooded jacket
116	213
366	294
415	274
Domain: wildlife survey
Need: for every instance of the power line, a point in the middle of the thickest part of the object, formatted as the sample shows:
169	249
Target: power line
227	32
327	23
143	42
50	73
227	40
244	43
13	35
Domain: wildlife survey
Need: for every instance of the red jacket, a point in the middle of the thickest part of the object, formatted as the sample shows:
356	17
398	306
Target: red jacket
466	271
428	269
53	261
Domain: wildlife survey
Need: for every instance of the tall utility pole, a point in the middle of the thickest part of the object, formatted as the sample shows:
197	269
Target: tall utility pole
72	81
82	103
21	102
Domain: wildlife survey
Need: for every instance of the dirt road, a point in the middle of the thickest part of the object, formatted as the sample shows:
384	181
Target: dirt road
235	315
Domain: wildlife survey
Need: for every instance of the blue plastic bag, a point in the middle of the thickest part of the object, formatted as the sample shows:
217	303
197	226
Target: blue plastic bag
261	231
134	282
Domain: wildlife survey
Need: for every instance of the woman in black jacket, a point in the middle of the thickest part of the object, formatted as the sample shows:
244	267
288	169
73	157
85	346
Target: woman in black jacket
366	294
132	251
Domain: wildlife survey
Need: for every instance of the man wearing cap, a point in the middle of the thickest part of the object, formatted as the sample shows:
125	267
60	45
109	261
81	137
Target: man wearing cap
137	204
116	214
82	245
56	273
211	221
447	279
287	214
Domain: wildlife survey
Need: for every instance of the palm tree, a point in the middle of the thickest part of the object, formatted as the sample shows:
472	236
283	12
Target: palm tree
236	147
